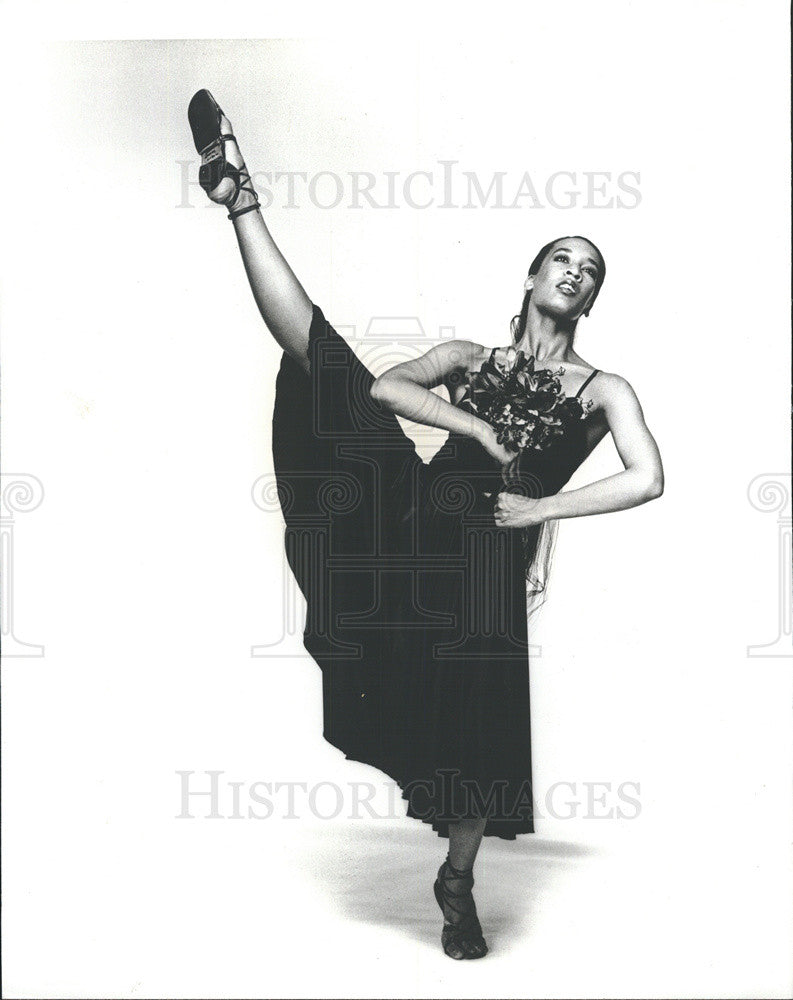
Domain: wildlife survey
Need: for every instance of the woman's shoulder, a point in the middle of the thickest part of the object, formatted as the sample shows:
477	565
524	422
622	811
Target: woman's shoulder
470	347
608	389
464	354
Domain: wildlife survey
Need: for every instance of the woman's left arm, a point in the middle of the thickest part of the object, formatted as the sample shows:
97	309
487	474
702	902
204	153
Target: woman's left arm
641	480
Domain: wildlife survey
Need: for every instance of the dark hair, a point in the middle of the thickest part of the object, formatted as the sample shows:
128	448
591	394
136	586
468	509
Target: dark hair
518	324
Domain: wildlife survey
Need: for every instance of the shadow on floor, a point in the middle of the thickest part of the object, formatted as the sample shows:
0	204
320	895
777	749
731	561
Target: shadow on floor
383	875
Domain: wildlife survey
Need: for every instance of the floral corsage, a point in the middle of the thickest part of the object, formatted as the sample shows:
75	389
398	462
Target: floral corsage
526	405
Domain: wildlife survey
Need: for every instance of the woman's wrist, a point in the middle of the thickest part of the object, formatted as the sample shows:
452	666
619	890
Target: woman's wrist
545	508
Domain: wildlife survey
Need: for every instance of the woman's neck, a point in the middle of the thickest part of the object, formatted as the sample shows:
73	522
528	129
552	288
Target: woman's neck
550	341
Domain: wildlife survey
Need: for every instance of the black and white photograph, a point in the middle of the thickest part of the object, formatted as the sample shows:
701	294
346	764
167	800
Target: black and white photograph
397	575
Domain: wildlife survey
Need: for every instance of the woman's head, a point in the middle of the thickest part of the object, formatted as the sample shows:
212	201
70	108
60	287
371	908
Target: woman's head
563	281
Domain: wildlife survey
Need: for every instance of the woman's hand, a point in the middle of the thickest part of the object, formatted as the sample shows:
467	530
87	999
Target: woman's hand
487	437
512	510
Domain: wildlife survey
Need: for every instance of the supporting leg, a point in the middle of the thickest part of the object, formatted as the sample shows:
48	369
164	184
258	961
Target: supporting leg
462	934
465	836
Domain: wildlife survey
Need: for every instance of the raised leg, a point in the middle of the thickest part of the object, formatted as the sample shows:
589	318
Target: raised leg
282	301
285	308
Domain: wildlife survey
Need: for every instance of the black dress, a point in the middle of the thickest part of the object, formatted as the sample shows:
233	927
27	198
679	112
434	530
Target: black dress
416	599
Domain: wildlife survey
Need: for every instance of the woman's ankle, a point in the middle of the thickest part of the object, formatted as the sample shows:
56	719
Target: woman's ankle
245	201
458	871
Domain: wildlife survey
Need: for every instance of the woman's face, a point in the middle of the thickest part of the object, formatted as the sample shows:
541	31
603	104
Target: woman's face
567	279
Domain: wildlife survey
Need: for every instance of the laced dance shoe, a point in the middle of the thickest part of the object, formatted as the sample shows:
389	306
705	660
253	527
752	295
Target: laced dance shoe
222	174
462	933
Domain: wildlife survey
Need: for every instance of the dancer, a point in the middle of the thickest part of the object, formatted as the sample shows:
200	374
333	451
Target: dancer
415	574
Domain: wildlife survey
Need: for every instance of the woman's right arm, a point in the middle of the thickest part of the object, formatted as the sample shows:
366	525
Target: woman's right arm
405	390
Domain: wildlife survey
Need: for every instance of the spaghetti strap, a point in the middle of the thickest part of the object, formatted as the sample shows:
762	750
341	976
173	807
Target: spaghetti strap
586	382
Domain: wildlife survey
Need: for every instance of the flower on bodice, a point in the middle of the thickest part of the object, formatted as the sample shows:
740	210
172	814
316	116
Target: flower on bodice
526	405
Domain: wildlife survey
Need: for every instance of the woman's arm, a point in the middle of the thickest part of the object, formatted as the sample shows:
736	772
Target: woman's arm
405	390
641	480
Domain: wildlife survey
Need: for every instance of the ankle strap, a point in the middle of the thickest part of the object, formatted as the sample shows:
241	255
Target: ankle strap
458	872
242	211
243	181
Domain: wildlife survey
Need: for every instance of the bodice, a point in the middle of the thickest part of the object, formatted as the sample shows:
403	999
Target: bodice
536	473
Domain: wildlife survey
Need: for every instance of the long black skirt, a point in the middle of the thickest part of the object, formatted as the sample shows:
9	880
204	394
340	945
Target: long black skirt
416	601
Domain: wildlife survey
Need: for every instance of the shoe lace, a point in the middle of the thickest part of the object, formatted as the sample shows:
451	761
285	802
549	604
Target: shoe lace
455	899
243	181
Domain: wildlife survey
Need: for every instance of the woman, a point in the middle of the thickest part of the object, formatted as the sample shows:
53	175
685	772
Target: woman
414	575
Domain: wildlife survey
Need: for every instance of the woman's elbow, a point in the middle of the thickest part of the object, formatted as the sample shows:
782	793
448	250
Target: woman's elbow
377	390
654	486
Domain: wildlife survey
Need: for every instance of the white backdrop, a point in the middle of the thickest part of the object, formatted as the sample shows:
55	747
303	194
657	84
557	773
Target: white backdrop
138	385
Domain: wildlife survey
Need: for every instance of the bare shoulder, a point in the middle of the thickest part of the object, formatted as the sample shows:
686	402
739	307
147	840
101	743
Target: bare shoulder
466	351
460	356
614	398
454	352
444	364
608	387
